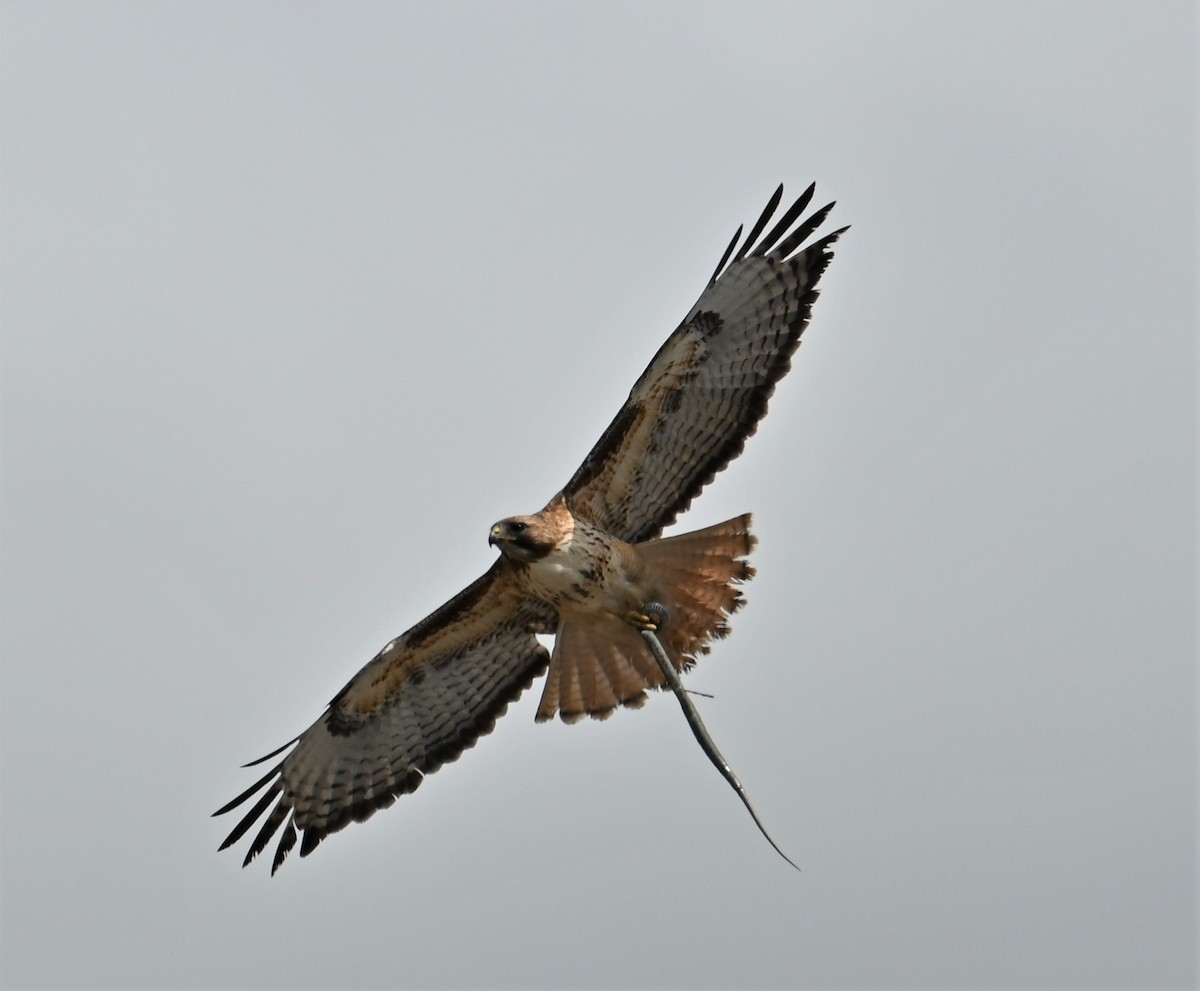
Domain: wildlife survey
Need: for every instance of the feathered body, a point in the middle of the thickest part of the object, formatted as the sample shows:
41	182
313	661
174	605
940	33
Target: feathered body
599	585
584	568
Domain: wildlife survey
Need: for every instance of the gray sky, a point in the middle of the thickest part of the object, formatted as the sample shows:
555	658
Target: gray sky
298	299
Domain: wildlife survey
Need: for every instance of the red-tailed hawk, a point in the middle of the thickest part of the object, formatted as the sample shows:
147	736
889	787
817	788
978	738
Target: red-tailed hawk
584	568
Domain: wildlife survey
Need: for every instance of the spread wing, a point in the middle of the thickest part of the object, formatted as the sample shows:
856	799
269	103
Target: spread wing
424	699
706	389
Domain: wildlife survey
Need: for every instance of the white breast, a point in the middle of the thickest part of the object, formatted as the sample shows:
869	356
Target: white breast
561	572
583	574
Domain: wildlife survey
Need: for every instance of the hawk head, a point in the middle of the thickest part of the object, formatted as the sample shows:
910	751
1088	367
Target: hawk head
527	538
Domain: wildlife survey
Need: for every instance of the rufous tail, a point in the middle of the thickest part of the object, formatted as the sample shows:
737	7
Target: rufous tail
598	666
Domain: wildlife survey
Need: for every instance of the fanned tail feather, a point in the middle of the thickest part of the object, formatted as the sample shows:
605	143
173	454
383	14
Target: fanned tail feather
598	666
595	669
701	571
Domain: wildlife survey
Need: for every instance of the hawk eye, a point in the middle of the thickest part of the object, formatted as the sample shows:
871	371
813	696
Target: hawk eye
516	527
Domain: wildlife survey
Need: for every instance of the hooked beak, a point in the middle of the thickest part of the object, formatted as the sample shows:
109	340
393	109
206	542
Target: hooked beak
497	535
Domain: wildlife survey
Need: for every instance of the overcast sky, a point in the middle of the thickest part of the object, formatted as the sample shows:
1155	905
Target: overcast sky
300	298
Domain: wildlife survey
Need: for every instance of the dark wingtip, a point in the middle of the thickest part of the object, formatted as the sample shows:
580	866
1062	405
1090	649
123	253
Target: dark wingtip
797	237
234	803
763	219
274	753
286	842
786	221
725	257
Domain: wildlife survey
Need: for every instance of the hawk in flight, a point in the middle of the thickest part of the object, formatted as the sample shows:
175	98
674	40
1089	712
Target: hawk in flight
590	568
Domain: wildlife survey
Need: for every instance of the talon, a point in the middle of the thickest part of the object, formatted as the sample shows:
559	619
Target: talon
652	619
641	621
